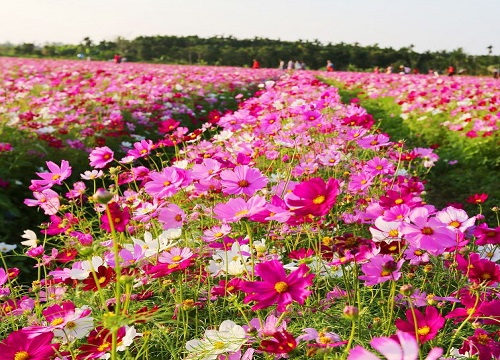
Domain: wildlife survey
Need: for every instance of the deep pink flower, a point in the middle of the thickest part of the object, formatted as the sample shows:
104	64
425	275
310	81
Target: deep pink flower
243	179
477	198
119	217
21	345
100	157
277	288
427	325
486	235
313	197
282	342
381	268
482	344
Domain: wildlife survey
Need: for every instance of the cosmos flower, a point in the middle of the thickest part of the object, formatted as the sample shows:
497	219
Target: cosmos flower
313	197
426	326
243	179
402	346
100	157
22	345
276	287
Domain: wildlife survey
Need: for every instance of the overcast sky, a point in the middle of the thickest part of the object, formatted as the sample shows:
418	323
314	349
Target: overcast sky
427	24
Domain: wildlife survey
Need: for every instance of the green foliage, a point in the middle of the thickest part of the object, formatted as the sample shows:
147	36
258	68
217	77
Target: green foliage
229	51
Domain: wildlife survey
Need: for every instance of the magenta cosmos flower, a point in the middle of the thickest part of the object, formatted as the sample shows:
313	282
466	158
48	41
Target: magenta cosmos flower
403	346
427	326
20	345
100	157
242	179
276	287
313	197
238	208
381	268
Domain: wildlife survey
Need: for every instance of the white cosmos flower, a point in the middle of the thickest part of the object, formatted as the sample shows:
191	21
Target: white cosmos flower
228	339
4	247
31	239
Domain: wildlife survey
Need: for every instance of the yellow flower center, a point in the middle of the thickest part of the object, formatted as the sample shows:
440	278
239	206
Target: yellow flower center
482	339
167	183
281	287
55	176
320	199
398	201
176	258
455	224
101	280
393	233
424	330
21	355
241	212
219	345
57	321
103	346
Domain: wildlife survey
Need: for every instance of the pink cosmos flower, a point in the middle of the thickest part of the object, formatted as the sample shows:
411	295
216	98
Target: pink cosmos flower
486	235
381	268
276	287
321	339
100	157
47	199
403	346
456	219
167	182
427	326
313	197
242	179
56	175
236	209
172	217
428	233
22	345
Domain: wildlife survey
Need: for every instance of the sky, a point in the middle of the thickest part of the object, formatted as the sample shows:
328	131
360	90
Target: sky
432	25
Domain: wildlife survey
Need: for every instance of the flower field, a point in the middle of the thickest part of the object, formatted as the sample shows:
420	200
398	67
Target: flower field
223	213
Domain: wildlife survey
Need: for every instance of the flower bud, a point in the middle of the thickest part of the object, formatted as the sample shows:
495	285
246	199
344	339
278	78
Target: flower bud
407	290
351	312
102	196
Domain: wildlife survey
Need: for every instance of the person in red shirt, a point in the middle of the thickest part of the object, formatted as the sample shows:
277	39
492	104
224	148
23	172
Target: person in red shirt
451	70
255	64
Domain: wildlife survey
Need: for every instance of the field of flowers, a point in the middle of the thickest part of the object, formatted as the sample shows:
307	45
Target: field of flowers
459	117
289	228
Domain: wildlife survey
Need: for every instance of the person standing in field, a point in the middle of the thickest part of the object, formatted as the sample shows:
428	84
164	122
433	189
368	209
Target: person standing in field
451	70
329	66
117	59
255	64
290	65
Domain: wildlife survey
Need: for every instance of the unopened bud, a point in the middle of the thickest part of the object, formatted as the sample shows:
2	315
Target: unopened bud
351	312
102	196
407	290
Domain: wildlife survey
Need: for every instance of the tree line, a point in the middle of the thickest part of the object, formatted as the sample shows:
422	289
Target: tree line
230	51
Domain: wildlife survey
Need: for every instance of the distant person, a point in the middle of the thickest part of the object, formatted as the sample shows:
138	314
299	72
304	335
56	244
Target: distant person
290	65
298	65
495	74
329	66
451	70
376	70
117	59
388	70
281	65
255	64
